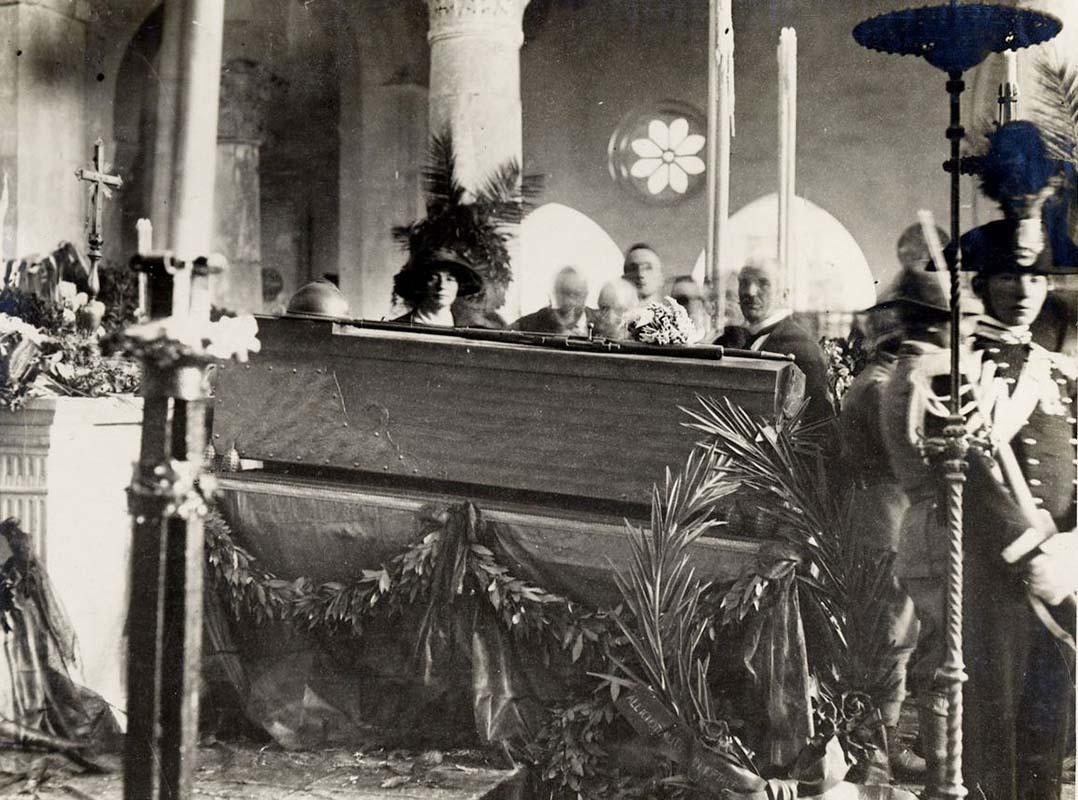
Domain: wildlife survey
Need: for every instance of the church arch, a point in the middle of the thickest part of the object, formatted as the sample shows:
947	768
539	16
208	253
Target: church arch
555	236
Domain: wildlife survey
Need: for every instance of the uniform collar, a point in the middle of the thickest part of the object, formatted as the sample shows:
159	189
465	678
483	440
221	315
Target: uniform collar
994	330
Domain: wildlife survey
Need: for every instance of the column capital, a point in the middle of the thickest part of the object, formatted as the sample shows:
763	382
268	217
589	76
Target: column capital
247	89
501	19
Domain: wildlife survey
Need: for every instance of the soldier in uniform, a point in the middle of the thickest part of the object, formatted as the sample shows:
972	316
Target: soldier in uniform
1021	676
1018	697
915	301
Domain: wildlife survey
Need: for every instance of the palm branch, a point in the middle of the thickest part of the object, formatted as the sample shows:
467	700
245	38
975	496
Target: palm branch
1056	112
848	587
666	623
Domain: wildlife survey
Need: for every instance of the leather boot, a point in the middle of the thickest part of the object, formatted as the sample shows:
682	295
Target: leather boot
906	765
933	737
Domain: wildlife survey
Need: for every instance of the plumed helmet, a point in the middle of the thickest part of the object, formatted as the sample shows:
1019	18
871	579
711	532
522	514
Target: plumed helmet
1017	164
319	299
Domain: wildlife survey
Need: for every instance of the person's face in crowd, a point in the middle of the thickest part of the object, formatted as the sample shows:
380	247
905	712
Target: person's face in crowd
755	294
1028	241
644	270
615	301
1015	298
689	296
570	295
442	289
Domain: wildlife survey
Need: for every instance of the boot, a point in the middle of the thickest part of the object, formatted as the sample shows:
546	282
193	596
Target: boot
906	765
933	737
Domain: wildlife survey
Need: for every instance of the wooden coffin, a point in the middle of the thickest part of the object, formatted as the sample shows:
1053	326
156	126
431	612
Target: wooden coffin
418	409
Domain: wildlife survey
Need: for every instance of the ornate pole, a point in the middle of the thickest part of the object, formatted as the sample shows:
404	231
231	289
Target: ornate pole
952	462
175	346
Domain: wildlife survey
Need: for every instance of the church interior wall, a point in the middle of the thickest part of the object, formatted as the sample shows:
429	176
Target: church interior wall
346	133
41	131
870	128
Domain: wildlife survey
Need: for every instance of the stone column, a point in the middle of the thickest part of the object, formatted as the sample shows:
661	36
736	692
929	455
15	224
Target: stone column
43	139
475	81
246	90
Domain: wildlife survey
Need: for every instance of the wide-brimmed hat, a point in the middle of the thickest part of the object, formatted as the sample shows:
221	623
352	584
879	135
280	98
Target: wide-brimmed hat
915	290
423	263
989	250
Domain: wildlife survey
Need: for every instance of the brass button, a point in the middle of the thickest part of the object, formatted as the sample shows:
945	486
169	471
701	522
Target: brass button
1003	365
1038	501
1008	380
1067	400
993	350
1034	482
1033	461
1028	440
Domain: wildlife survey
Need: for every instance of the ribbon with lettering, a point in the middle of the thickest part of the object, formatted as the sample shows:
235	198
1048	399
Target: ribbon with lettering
818	771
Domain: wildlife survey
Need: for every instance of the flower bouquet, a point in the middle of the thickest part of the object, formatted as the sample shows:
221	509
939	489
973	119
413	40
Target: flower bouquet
20	348
664	322
48	349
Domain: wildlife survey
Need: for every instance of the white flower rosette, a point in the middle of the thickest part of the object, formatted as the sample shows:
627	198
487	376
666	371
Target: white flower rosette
663	322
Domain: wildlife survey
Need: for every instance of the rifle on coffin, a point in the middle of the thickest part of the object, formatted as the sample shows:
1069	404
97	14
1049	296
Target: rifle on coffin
590	344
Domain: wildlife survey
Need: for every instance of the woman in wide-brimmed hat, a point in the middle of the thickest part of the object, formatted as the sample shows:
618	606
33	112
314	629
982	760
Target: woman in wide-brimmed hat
430	282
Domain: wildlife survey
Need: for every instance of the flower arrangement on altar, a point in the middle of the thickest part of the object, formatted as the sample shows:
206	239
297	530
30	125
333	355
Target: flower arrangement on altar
662	322
50	344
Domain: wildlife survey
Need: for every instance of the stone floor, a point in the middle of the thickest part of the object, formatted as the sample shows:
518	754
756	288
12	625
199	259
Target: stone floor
252	772
249	772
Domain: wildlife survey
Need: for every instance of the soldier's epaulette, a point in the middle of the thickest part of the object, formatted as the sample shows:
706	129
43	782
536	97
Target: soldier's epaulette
1062	362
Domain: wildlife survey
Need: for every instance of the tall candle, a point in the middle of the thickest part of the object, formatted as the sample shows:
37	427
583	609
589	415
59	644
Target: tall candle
144	230
1011	58
787	63
720	130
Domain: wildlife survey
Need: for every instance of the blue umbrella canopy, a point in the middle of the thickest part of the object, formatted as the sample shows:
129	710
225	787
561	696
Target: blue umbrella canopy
955	37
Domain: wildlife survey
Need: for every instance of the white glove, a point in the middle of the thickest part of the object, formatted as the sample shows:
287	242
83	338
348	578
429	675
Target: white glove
1053	573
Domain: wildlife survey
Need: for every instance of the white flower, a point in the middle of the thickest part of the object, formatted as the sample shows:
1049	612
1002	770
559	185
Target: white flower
668	156
664	322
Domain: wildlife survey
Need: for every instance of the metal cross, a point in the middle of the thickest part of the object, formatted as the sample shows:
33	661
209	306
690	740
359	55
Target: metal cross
101	184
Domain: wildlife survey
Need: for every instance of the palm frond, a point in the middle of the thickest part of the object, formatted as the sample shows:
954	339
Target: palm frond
440	183
1056	112
508	195
665	624
847	586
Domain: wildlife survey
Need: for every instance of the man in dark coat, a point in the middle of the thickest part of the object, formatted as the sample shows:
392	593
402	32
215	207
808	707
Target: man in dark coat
769	326
568	314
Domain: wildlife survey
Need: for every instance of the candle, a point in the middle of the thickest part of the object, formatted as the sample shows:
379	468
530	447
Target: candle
720	129
787	63
144	229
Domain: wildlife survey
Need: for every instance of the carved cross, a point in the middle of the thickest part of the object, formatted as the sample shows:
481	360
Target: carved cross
101	184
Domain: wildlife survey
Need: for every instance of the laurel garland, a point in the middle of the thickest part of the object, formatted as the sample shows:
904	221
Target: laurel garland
253	593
